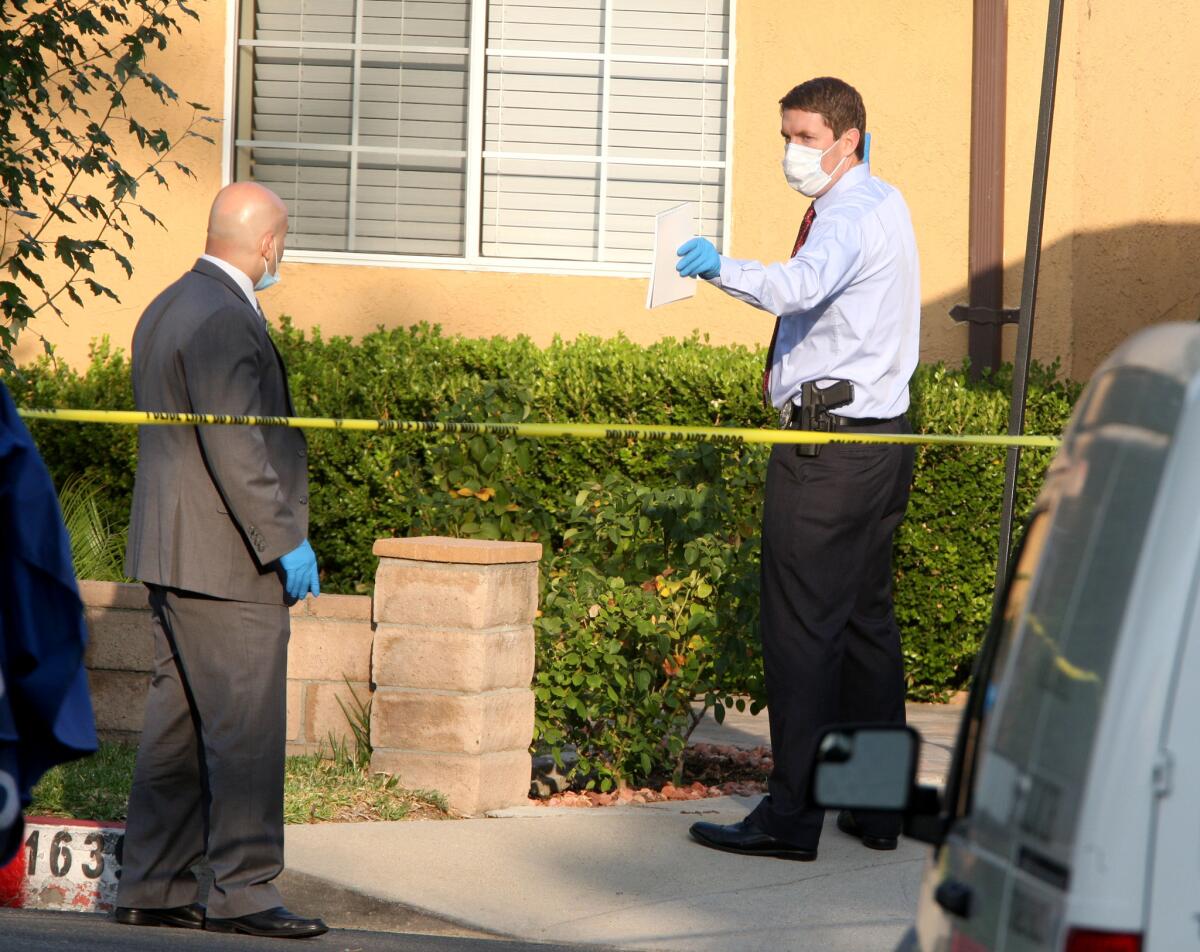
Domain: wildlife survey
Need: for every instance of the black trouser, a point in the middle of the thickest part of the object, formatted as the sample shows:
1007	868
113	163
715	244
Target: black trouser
831	646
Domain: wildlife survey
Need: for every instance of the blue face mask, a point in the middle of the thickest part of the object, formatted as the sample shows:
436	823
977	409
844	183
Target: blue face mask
268	279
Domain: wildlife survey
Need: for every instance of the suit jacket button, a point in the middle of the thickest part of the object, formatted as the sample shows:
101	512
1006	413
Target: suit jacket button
302	452
304	500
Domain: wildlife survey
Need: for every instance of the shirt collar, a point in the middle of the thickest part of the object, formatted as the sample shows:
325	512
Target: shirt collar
239	276
860	173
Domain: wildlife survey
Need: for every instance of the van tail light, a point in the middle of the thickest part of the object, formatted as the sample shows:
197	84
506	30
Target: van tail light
1089	940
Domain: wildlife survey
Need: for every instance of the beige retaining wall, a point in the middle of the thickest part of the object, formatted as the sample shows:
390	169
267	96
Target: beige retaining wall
331	642
446	654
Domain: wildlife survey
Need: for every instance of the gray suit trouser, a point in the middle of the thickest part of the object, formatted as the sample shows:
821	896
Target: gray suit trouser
209	775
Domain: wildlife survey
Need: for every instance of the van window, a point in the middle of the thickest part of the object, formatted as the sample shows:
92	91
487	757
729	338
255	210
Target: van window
1064	613
992	662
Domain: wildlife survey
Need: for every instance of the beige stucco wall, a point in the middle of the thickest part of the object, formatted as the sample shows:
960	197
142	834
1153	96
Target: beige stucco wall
1122	222
1136	233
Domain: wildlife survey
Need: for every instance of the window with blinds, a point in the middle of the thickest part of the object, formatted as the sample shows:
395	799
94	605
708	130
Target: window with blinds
522	130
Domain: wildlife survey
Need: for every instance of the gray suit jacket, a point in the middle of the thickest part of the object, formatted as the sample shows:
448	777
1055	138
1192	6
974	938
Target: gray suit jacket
214	507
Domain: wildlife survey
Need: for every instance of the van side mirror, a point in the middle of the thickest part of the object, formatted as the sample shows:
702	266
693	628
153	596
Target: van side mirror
866	767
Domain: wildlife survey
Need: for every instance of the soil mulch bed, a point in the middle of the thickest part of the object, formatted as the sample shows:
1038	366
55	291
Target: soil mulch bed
709	770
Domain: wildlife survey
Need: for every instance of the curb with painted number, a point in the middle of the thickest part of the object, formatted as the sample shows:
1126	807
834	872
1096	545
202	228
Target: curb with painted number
70	865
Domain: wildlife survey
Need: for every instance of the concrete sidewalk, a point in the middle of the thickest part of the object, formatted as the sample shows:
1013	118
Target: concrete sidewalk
630	877
622	877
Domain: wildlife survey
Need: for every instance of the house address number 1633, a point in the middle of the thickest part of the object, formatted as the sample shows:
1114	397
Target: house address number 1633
60	857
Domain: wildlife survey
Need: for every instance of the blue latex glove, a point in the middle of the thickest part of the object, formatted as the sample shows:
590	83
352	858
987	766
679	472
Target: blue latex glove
698	257
300	570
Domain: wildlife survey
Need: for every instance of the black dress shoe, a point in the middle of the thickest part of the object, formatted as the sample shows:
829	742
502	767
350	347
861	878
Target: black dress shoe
848	825
749	839
275	923
181	917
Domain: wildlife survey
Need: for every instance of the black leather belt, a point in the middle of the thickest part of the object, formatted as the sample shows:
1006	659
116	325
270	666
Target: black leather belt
845	423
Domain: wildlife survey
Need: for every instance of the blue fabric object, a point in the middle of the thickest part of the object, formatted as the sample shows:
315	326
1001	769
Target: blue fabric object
45	709
698	257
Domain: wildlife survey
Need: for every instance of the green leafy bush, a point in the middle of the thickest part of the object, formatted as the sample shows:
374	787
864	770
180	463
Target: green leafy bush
650	578
648	603
945	553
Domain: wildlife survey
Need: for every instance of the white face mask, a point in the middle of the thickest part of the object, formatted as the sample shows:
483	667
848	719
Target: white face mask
268	279
802	168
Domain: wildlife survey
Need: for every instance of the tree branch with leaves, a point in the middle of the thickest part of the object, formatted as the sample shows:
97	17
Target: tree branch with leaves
74	153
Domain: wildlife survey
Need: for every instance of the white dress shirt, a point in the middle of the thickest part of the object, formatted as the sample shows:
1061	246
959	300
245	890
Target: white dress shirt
849	302
239	276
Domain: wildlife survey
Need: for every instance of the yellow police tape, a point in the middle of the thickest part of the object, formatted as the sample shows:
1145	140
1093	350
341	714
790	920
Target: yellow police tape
579	431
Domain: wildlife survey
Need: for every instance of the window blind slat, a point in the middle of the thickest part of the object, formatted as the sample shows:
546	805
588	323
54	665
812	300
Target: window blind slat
402	246
406	32
408	209
582	220
636	195
543	35
416	103
655	111
518	186
413	213
566	118
315	188
592	16
341	8
677	7
547	139
407	100
530	92
497	10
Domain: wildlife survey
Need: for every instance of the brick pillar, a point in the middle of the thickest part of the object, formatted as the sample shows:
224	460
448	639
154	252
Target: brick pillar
452	664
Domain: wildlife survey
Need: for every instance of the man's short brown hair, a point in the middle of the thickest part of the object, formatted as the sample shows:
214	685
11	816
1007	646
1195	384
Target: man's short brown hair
837	102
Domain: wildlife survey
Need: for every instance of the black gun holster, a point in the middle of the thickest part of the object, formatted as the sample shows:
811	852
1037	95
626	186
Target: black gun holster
815	406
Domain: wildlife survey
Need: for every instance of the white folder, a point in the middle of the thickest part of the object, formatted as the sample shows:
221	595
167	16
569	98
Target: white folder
671	229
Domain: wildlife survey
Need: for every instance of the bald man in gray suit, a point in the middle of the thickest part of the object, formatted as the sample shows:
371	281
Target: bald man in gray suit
218	535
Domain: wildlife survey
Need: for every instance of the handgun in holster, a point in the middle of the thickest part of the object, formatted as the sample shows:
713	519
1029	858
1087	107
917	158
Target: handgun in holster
815	406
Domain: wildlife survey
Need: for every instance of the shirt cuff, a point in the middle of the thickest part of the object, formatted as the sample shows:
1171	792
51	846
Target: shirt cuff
730	268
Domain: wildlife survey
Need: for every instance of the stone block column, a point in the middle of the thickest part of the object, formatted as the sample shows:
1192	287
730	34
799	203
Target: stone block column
452	663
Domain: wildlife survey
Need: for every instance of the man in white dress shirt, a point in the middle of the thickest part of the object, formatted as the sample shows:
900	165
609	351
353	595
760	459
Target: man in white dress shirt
847	329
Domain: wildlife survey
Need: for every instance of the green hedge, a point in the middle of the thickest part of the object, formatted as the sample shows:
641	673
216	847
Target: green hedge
650	576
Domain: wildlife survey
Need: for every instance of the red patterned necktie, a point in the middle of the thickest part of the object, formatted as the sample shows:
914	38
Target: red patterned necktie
801	237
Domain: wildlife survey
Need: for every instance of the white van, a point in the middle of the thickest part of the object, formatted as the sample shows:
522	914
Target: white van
1070	820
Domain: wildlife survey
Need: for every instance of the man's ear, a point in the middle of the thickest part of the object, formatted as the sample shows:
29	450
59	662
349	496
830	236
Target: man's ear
852	138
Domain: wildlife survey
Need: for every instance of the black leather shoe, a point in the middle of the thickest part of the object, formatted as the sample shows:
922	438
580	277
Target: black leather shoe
181	917
275	923
848	825
749	839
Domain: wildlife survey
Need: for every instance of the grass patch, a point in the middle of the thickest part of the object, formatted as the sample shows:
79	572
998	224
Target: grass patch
320	790
316	790
94	788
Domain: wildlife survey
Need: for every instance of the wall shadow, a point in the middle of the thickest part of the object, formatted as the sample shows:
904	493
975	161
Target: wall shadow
1096	289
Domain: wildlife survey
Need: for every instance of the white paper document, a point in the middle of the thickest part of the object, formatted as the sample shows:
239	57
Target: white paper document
672	228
